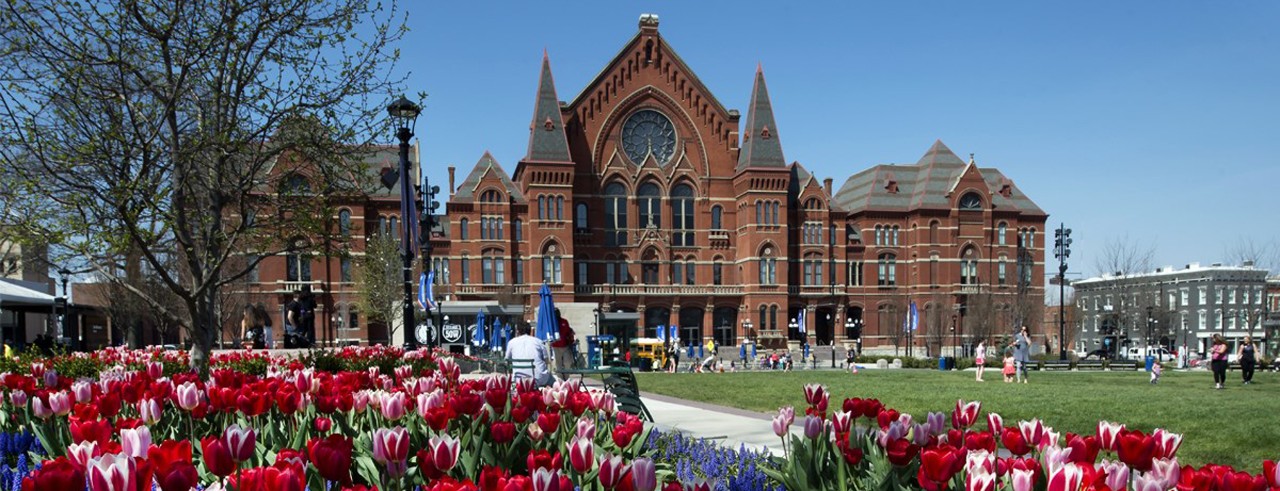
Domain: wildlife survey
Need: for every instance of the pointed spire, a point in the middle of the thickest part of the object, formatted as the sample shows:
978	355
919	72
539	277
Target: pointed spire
547	140
760	144
939	154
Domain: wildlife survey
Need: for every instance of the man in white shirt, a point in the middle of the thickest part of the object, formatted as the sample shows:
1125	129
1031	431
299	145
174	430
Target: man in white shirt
526	347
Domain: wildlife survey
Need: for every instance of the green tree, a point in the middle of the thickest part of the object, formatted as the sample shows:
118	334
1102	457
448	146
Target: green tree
191	132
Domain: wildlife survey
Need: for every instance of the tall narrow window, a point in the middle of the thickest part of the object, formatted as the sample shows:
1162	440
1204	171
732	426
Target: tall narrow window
879	235
580	267
551	269
682	215
689	272
969	267
344	268
774	218
518	229
759	213
1000	231
497	221
465	266
888	270
716	218
677	272
1000	271
297	267
462	229
609	278
559	207
486	270
517	270
344	222
717	273
542	207
580	217
650	205
933	232
895	235
615	211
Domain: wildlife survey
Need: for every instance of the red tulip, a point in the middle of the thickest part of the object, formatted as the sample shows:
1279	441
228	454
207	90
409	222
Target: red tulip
965	414
901	451
581	454
1015	442
543	459
268	479
1194	480
550	480
332	457
995	424
109	405
937	467
59	473
180	476
1136	450
444	451
549	422
169	454
288	399
1271	472
1084	449
1167	443
612	470
980	440
217	457
851	455
502	432
814	393
1108	434
323	424
1065	477
1240	481
95	431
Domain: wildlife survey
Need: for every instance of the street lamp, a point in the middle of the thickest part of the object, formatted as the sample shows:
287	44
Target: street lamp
955	337
404	113
66	303
1062	250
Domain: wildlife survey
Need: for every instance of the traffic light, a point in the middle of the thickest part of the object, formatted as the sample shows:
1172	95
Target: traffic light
427	220
1062	243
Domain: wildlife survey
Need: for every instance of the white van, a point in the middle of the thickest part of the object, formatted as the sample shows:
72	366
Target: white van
1161	354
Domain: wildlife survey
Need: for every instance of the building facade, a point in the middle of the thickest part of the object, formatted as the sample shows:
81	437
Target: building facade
644	201
1173	307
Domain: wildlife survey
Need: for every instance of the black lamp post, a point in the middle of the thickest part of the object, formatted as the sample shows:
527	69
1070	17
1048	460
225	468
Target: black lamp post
66	304
404	113
1062	250
955	336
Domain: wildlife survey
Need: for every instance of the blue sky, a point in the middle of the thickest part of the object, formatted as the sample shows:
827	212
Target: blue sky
1151	120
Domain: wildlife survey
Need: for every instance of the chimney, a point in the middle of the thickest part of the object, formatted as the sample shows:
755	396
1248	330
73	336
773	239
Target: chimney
826	184
452	169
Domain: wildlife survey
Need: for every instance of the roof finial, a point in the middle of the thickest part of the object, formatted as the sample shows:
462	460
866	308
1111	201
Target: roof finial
649	20
970	157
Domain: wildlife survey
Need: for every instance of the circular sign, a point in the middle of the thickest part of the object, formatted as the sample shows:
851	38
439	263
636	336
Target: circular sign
452	333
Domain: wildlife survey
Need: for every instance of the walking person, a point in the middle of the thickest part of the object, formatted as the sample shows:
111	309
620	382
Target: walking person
1022	354
980	359
1218	361
268	334
562	347
1247	356
251	328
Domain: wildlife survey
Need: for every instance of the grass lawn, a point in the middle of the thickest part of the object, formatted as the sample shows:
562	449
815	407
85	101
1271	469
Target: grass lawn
1237	426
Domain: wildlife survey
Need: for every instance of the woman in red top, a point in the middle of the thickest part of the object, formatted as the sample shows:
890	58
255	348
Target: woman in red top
1218	357
563	346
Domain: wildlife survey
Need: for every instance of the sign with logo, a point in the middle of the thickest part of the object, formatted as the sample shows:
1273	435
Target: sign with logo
452	333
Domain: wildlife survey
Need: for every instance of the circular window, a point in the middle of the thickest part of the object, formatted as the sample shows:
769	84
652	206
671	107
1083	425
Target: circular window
971	201
649	132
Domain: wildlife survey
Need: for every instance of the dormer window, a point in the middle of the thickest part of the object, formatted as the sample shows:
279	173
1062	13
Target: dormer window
891	184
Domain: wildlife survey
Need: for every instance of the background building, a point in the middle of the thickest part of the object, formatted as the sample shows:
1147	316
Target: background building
644	201
26	293
1173	307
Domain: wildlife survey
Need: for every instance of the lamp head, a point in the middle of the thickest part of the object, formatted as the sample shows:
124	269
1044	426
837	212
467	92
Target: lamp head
404	113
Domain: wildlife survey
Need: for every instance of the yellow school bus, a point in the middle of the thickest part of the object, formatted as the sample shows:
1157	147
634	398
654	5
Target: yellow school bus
651	348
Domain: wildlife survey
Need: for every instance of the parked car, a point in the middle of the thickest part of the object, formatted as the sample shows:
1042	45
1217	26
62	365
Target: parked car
1161	354
1098	354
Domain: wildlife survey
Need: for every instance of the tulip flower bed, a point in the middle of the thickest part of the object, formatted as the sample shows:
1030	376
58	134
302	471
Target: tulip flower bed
356	419
864	445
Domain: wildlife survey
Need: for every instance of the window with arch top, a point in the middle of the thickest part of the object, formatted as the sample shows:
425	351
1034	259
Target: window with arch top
682	215
971	201
716	217
649	201
615	214
580	217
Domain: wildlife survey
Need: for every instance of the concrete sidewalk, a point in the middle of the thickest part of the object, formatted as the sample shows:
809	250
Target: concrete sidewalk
732	427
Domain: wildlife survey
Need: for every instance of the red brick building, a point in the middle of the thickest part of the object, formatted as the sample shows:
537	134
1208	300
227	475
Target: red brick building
648	201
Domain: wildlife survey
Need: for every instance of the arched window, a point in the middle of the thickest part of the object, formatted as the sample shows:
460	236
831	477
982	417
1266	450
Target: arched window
1000	230
464	265
969	267
649	268
551	266
768	268
690	271
971	201
462	229
518	229
716	218
933	270
773	220
394	225
682	215
717	272
542	207
615	215
888	270
493	268
1000	271
580	217
764	312
497	223
773	317
933	232
1031	239
879	235
344	222
677	271
559	207
895	235
344	268
650	205
759	213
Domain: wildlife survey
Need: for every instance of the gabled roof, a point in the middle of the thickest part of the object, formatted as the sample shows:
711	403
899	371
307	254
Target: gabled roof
761	146
925	185
486	165
547	140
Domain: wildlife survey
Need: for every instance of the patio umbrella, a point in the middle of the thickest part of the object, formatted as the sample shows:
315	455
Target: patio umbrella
477	336
495	336
506	335
753	350
548	325
742	352
690	350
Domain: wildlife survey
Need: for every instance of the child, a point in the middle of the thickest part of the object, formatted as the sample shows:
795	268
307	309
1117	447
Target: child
1009	368
1156	370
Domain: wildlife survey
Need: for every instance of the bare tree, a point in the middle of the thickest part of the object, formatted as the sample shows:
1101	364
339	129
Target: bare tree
937	323
1122	258
379	277
196	131
980	316
1263	254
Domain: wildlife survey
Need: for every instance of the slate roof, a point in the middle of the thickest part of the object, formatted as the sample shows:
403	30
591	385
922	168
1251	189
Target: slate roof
383	157
547	140
467	190
761	146
924	185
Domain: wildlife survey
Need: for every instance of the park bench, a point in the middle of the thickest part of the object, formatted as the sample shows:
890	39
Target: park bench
1123	365
1055	365
1089	365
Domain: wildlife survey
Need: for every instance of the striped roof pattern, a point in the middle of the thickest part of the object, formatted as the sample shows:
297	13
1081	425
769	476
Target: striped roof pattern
467	190
547	140
760	144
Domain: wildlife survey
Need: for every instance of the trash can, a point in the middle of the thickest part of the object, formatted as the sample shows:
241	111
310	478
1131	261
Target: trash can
1151	360
946	363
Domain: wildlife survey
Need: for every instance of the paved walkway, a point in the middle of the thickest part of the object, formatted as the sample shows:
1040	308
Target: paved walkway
731	426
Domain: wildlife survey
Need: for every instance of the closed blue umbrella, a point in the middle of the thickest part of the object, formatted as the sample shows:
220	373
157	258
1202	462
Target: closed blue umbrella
495	336
548	325
478	336
742	352
753	350
690	350
506	335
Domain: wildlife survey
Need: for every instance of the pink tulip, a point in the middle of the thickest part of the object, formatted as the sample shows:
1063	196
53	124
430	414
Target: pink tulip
613	468
83	391
444	451
81	453
1167	443
112	472
1117	473
188	396
1065	477
980	460
240	441
1145	482
995	424
644	475
150	410
535	432
812	426
813	393
403	371
302	381
60	403
18	398
391	448
361	401
547	480
155	370
965	414
779	425
582	454
393	405
40	410
980	479
1167	471
1032	431
37	370
1108	435
1023	479
586	428
1053	457
135	441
